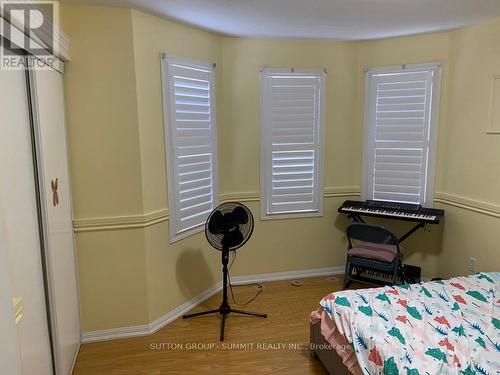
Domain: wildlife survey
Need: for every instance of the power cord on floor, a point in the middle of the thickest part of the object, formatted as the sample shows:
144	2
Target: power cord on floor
259	286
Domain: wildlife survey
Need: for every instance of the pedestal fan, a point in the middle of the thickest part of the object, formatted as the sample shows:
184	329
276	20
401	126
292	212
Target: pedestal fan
228	227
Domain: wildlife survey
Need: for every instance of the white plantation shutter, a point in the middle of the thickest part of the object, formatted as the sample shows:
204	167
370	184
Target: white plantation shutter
291	142
401	119
190	141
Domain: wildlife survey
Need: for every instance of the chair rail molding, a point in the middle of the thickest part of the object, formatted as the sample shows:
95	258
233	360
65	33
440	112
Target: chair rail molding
93	224
158	216
477	206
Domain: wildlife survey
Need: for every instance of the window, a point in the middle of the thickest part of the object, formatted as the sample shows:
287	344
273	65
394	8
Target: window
292	142
190	143
401	116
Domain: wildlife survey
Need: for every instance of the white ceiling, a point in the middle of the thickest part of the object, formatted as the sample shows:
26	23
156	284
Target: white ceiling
337	19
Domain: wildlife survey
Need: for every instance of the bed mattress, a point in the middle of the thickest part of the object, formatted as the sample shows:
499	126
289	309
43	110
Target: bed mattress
442	327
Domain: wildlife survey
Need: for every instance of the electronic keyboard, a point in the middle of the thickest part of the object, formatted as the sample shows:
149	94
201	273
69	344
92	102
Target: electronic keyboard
392	210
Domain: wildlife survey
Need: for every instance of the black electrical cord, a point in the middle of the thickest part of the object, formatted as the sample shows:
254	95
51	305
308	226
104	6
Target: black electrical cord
261	288
232	261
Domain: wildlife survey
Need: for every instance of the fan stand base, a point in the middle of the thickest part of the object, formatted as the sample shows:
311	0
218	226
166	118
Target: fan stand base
225	309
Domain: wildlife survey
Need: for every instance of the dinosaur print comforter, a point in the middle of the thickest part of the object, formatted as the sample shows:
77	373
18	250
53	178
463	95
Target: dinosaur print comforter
442	327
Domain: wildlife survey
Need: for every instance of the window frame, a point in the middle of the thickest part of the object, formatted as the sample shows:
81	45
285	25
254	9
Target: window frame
266	147
168	100
369	129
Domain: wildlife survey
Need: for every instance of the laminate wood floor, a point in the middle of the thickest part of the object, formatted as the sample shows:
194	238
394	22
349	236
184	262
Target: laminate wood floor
276	345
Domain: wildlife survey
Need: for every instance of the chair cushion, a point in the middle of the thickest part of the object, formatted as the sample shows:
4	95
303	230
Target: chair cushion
380	252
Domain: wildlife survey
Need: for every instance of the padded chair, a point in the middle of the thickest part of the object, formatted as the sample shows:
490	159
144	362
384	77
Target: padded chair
373	248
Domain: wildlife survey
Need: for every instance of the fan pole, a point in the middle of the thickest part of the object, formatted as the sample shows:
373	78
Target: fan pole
225	309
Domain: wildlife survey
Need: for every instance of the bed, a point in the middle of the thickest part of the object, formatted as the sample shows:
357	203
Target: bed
440	327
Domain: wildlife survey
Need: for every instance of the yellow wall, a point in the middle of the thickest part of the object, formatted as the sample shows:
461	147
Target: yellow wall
101	109
170	267
131	275
468	234
472	157
112	278
104	153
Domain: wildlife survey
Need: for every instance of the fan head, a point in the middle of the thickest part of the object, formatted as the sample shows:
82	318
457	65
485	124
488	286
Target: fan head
229	226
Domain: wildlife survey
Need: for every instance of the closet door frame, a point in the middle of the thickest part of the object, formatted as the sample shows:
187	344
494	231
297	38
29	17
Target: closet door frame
41	187
41	222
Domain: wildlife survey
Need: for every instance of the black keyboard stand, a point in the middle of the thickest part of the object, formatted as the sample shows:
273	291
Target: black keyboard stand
411	231
358	219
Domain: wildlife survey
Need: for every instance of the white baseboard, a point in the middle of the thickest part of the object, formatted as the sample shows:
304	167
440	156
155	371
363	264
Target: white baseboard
275	276
182	309
114	334
148	329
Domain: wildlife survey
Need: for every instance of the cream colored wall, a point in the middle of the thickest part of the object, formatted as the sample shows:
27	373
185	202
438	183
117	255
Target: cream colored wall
297	244
170	267
101	109
129	273
112	278
468	234
472	157
104	153
176	273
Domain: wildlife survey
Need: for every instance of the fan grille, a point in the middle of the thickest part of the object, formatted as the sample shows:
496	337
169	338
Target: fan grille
246	229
